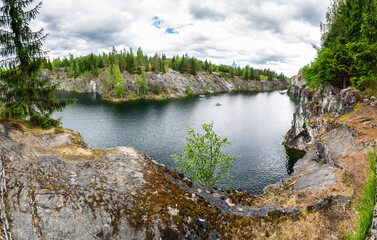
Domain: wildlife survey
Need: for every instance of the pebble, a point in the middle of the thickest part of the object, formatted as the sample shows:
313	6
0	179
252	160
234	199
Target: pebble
333	237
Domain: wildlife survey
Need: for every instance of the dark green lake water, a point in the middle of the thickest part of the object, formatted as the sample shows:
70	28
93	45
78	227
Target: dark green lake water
254	123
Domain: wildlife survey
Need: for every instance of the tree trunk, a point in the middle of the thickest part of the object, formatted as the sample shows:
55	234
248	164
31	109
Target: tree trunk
344	83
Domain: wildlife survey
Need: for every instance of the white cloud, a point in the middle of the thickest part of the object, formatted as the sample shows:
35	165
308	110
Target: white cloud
274	34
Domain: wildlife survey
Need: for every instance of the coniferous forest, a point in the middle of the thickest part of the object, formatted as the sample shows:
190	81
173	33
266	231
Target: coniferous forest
141	62
348	52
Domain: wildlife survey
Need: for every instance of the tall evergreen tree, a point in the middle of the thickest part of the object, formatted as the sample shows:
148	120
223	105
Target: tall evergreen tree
22	91
193	66
247	72
163	59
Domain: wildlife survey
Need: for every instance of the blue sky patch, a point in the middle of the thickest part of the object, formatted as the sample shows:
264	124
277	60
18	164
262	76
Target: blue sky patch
157	22
171	31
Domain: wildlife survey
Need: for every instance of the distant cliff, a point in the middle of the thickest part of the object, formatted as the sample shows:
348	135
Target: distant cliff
161	86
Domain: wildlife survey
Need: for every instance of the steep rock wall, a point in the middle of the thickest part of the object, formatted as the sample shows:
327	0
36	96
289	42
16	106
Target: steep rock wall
169	85
317	112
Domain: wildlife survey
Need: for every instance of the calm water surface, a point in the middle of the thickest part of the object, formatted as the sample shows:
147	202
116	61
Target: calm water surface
254	123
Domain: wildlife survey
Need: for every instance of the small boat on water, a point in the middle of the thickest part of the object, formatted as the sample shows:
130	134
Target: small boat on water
202	96
283	91
218	104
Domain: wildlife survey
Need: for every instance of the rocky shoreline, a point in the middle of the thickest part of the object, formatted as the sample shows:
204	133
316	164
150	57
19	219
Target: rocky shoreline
161	86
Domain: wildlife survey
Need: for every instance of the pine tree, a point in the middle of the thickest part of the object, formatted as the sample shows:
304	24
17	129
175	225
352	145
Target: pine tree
247	72
24	94
193	67
182	68
163	59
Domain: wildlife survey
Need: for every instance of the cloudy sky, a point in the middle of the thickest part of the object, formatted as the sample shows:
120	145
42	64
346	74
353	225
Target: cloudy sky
276	34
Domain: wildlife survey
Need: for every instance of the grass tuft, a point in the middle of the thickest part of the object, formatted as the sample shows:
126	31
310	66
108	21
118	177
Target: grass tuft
366	205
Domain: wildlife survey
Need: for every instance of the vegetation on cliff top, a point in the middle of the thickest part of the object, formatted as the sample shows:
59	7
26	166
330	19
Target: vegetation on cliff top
139	63
348	52
22	92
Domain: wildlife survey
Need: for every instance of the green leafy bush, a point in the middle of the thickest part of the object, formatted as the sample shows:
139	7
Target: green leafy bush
188	91
203	160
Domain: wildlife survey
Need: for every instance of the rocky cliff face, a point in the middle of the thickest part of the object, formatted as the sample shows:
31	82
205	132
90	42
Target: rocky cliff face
317	112
169	85
336	128
297	86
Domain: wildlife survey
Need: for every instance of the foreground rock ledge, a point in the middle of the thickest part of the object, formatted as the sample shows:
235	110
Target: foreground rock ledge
57	188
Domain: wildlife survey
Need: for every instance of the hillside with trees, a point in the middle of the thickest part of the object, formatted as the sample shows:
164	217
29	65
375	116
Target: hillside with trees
125	75
141	62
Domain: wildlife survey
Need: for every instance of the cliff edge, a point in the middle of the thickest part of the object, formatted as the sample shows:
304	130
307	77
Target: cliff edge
161	86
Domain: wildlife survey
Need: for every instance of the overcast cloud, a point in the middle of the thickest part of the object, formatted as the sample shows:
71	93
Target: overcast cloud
276	34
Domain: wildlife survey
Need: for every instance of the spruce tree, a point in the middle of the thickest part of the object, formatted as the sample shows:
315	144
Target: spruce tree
25	94
247	72
193	66
347	54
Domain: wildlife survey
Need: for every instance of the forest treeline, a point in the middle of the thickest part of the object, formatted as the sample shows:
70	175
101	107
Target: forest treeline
348	52
140	62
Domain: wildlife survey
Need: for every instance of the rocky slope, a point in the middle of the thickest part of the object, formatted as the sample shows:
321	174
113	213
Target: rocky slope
317	112
336	128
161	86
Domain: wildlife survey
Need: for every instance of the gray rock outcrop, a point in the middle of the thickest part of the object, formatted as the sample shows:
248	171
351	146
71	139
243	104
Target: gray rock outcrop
316	113
297	86
171	83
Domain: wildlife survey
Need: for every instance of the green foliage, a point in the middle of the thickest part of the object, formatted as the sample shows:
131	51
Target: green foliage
223	75
77	70
106	80
58	129
24	94
157	89
118	81
188	91
366	205
211	84
127	61
141	84
193	67
45	122
348	53
203	160
247	72
86	75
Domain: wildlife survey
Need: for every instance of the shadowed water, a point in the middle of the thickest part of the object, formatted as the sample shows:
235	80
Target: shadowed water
254	123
